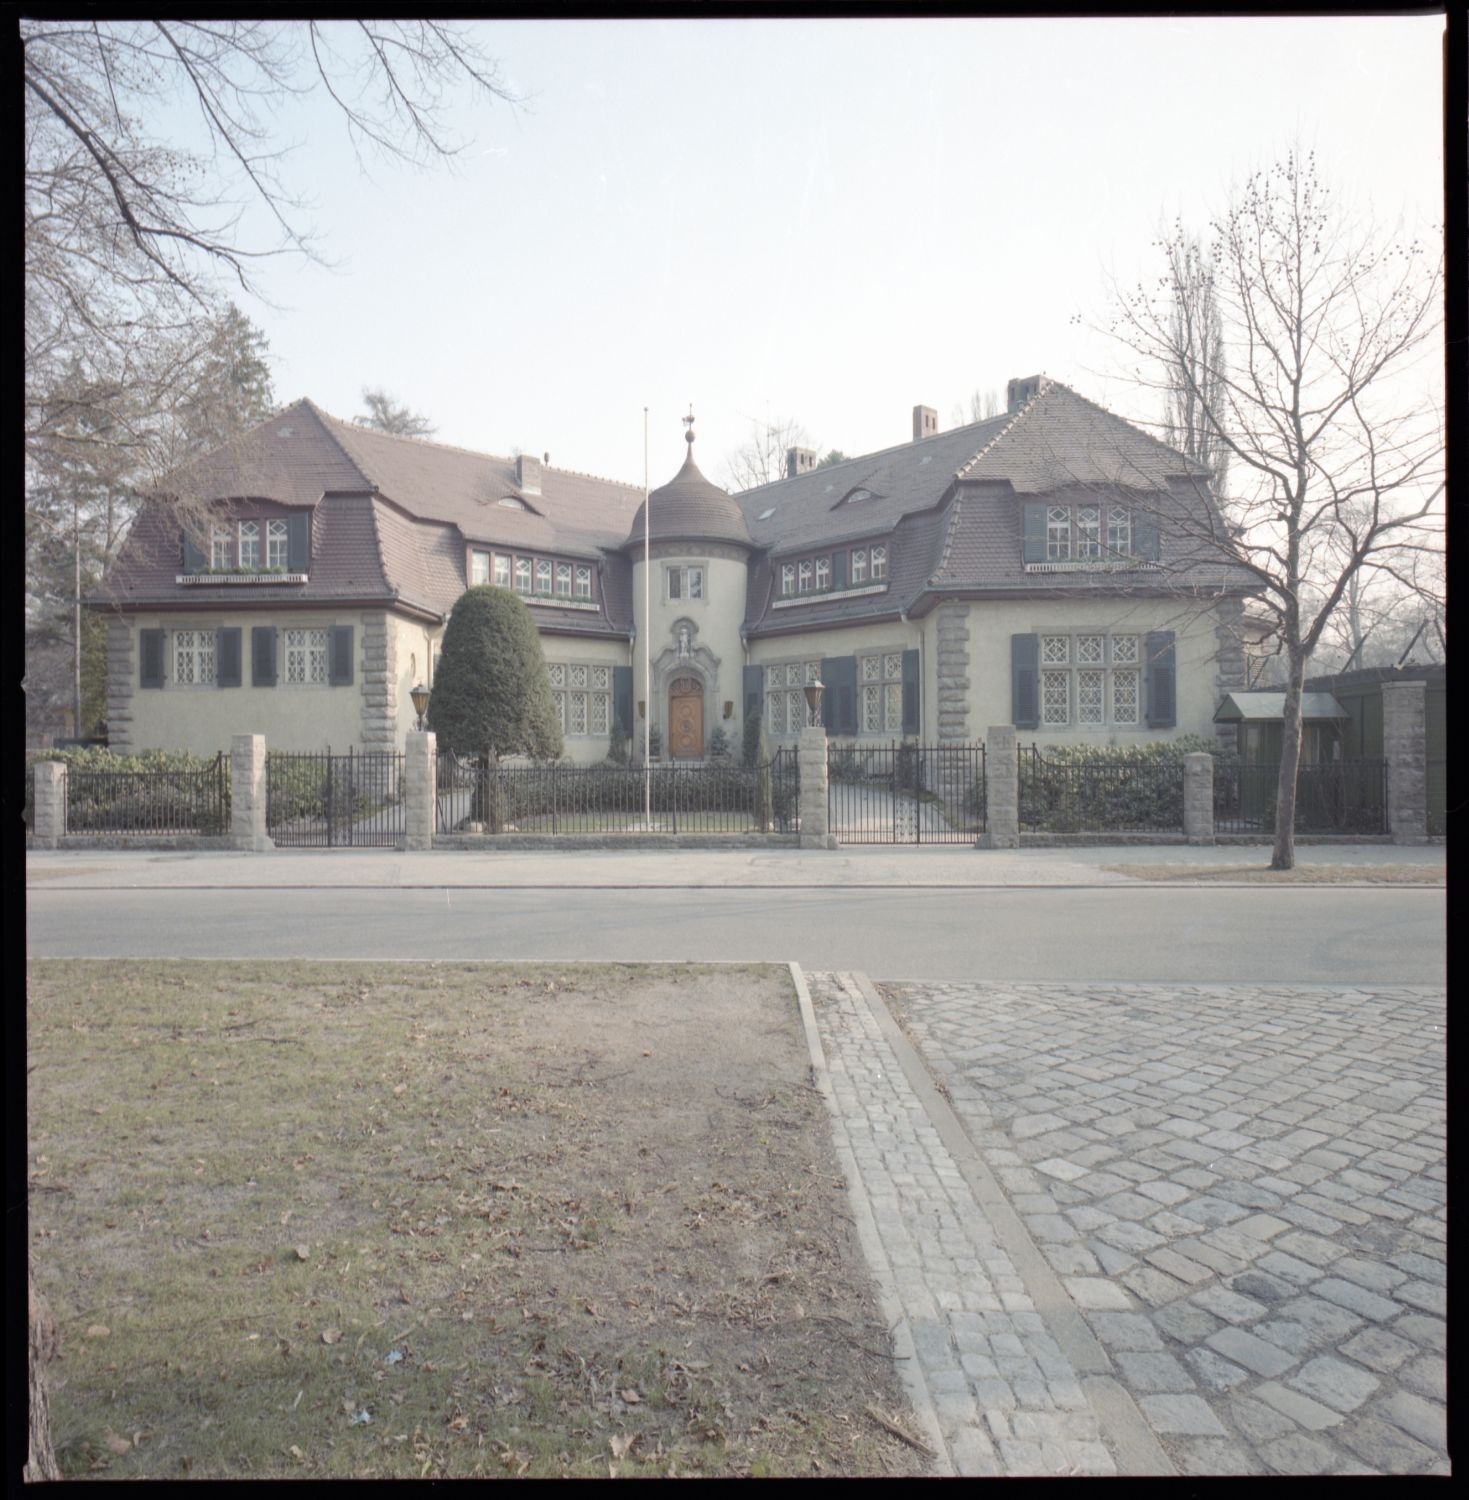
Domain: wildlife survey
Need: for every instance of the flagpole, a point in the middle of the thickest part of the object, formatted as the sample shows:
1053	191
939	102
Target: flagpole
647	646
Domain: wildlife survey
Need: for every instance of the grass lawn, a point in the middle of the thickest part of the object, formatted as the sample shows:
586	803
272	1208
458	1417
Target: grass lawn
1303	874
328	1220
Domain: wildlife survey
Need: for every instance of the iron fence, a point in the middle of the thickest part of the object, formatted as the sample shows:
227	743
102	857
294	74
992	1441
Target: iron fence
900	794
1336	796
1113	796
482	796
323	800
154	802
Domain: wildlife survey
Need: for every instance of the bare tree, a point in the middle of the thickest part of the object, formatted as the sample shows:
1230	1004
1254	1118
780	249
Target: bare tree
982	406
1197	333
387	415
1312	393
761	458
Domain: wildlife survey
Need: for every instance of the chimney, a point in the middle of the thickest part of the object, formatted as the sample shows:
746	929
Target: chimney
1021	390
925	422
799	461
528	475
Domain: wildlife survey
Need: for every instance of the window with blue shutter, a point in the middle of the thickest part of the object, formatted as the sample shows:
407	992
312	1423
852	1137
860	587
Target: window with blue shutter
1034	549
298	543
227	656
340	666
1162	680
262	656
194	560
1145	537
1025	706
910	692
622	698
754	688
839	701
150	658
838	571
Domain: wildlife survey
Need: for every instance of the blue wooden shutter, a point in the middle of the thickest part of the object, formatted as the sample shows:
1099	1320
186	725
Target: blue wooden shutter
194	560
910	692
1035	531
754	686
838	702
1144	537
1162	680
298	543
227	656
1025	661
262	656
150	658
622	698
340	673
838	572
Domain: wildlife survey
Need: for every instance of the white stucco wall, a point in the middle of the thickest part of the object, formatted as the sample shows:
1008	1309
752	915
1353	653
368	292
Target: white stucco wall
203	719
717	618
992	623
587	749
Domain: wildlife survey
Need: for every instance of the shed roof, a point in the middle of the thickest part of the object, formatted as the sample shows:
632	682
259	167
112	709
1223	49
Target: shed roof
1257	707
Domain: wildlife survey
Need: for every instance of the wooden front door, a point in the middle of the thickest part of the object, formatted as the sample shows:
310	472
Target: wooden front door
686	718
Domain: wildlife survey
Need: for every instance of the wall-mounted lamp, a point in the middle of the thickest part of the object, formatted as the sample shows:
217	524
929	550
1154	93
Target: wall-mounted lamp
728	709
419	694
814	690
642	708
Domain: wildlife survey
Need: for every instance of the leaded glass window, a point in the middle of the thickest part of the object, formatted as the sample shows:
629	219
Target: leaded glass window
306	657
1089	649
1089	531
583	583
804	575
250	546
1055	697
563	580
193	658
1125	695
859	566
479	571
522	575
1119	530
1124	650
221	552
1090	693
823	572
276	544
879	563
543	576
787	580
502	571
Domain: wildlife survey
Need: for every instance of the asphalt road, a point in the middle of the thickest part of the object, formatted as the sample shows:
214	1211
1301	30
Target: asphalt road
1286	935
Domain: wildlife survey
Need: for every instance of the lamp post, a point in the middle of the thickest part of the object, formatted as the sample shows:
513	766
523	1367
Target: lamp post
419	694
813	691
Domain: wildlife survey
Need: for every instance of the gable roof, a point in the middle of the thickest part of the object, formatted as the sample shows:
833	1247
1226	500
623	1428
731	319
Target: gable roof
1255	707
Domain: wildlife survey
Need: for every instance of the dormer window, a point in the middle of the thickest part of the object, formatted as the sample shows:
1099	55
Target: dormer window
522	575
249	546
787	580
823	573
221	549
502	571
879	563
511	503
563	579
276	544
1071	538
859	566
479	568
853	497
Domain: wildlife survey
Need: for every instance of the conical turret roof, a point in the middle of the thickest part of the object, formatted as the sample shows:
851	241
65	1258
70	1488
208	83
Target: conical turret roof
691	508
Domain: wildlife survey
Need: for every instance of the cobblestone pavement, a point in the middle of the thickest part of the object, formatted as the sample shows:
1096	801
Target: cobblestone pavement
1241	1189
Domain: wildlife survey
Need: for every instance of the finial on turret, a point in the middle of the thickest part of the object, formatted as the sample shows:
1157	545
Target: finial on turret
688	422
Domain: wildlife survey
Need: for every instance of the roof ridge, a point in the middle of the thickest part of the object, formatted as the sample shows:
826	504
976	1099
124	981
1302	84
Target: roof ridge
427	442
858	458
1044	389
325	418
1199	472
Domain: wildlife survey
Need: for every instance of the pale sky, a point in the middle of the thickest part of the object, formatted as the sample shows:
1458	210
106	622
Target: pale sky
832	221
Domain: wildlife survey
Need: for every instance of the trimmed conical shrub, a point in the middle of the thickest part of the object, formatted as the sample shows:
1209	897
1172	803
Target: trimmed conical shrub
491	691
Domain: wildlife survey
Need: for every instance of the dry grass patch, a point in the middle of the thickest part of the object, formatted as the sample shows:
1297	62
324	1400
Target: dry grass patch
1306	874
323	1220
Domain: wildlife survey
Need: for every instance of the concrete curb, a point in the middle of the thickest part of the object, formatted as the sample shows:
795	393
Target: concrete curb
919	1396
1124	1429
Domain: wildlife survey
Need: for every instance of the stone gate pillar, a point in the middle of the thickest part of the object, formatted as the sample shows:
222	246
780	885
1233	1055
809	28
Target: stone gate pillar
1405	748
814	825
48	807
1198	797
1002	789
420	766
247	793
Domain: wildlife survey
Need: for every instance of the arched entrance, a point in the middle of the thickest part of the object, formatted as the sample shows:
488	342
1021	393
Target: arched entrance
686	718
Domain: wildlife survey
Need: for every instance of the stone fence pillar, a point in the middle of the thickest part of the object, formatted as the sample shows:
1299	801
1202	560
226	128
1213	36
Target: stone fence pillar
814	825
48	815
420	768
1405	748
1002	789
1198	797
247	793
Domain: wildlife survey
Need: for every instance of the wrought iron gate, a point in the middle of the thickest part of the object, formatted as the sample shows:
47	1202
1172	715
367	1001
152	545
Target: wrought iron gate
334	801
905	794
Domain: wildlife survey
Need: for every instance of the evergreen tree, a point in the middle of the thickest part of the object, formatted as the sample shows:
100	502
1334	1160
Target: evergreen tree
491	692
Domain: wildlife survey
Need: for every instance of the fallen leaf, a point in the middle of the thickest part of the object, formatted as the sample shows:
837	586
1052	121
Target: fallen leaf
647	1054
295	1452
400	1088
98	1331
631	1397
330	1335
303	1252
119	1445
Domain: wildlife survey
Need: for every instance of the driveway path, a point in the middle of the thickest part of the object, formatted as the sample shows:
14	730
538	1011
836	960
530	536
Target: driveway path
1204	1229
